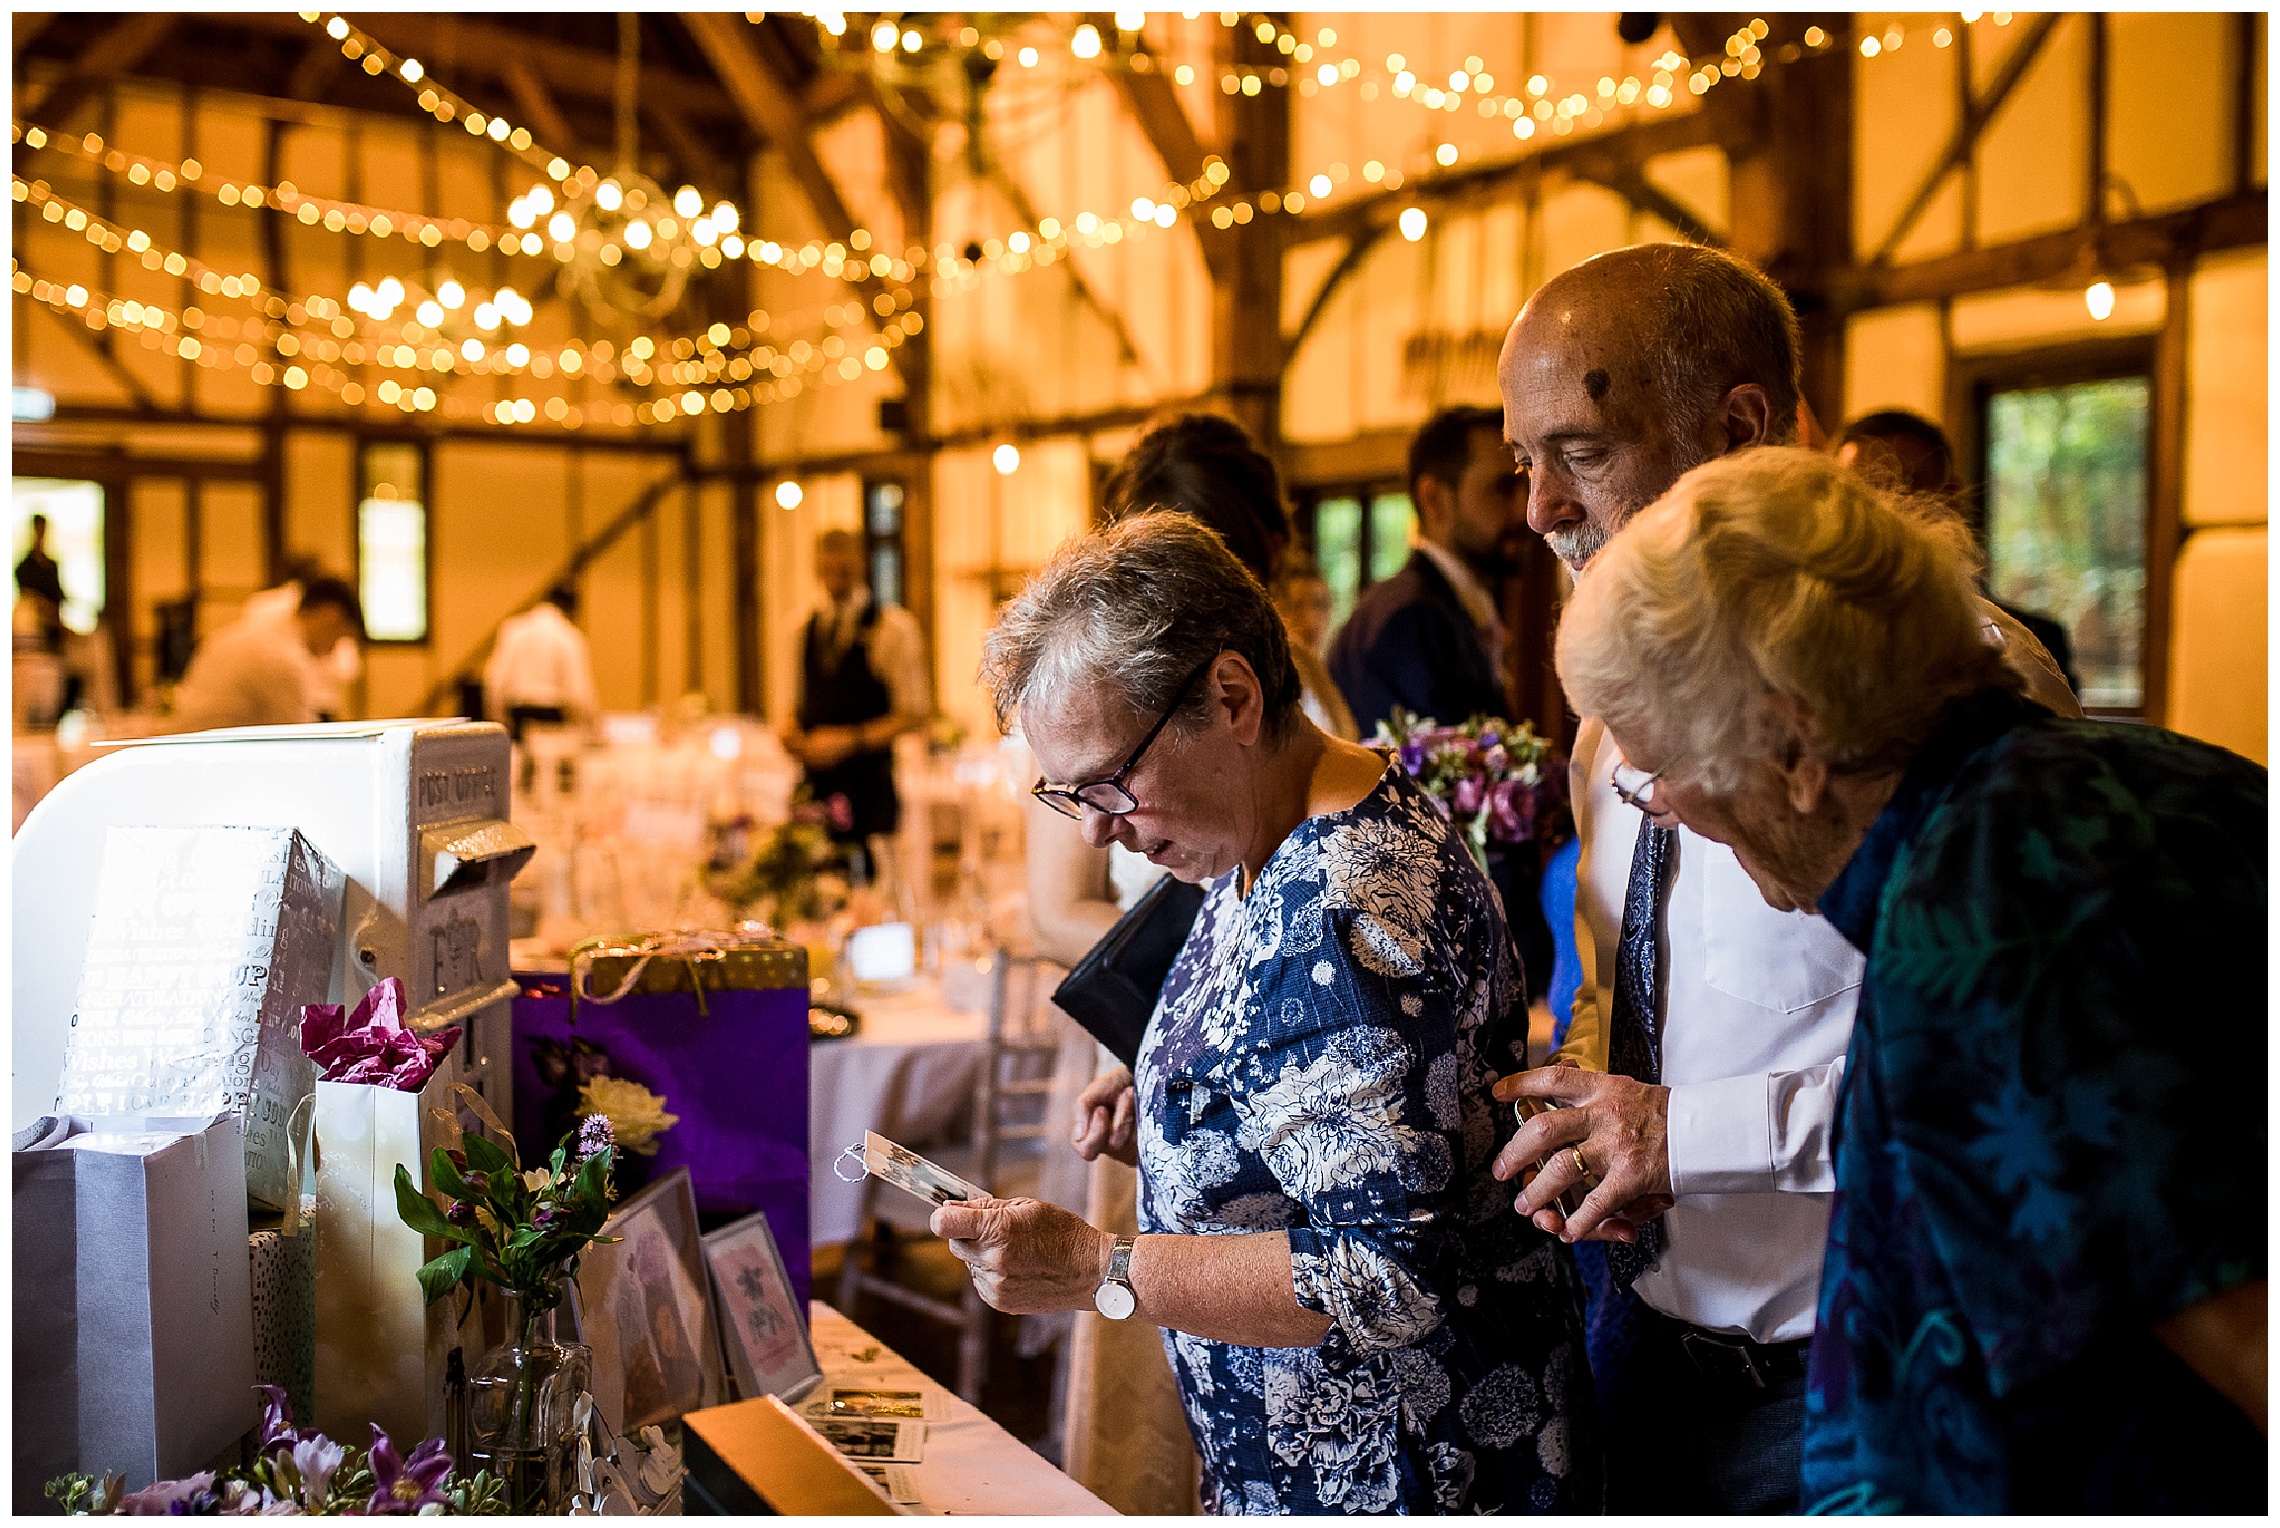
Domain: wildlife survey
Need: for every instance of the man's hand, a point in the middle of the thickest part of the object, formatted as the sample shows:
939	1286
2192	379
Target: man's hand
1105	1119
826	746
1026	1256
1618	1124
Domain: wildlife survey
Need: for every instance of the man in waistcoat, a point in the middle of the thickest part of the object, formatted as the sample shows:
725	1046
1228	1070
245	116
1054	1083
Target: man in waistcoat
863	684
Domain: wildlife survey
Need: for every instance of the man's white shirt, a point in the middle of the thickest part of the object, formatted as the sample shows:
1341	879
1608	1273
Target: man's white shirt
1757	1012
540	658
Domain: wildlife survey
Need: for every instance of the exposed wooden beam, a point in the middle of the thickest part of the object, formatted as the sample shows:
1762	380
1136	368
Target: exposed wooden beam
1164	122
2165	505
320	61
117	49
465	48
27	26
2169	240
831	94
1967	133
1247	355
2245	77
696	158
1594	159
1632	185
536	104
145	404
1126	351
1357	250
770	108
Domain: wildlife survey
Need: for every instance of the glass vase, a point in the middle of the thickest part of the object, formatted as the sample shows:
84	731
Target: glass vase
522	1397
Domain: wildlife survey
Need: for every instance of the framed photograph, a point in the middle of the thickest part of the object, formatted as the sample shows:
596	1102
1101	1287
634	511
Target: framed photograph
761	1323
644	1308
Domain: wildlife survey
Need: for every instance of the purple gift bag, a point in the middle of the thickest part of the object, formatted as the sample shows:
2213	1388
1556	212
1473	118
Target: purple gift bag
736	1074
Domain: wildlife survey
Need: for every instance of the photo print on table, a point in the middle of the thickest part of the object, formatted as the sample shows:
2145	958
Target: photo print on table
761	1324
645	1309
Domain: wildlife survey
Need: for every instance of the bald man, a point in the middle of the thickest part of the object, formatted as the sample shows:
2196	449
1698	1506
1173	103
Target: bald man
1700	1071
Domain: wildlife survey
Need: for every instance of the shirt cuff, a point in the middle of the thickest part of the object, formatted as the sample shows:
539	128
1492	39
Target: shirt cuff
1720	1137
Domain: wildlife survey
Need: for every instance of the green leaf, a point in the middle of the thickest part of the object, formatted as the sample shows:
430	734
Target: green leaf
483	1156
445	1175
440	1276
418	1211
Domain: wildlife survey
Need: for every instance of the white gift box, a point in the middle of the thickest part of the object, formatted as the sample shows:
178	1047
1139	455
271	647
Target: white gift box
205	944
133	1302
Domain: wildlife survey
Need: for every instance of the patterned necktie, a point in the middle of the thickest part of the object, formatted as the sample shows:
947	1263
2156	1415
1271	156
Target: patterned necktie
1634	1040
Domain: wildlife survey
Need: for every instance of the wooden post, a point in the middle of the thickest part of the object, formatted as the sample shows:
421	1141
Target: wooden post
2165	504
1246	297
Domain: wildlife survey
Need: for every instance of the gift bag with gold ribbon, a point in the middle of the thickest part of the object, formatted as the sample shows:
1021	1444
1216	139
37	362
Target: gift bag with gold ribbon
695	1046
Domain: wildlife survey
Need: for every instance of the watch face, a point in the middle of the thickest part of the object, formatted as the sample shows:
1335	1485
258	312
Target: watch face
1114	1301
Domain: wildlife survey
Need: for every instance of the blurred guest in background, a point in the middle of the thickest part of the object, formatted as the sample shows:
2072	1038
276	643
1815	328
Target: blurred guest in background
862	685
1429	639
1897	449
1355	1323
330	674
255	673
541	670
38	574
1302	596
2045	1287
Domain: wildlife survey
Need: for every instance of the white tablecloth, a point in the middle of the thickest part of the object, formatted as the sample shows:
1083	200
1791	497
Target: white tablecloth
908	1074
972	1464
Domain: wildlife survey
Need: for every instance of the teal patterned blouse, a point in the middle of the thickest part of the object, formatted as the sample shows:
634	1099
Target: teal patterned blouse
2053	1131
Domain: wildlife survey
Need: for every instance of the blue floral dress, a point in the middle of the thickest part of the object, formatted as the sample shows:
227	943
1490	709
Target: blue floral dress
1320	1064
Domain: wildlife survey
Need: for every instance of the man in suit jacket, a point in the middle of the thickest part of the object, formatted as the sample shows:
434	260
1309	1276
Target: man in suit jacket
1428	638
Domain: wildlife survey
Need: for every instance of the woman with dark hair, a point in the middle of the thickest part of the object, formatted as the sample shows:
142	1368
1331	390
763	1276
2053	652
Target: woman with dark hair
1207	466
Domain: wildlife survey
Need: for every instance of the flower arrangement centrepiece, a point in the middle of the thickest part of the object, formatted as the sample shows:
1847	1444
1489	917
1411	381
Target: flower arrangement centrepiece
295	1474
522	1231
1490	776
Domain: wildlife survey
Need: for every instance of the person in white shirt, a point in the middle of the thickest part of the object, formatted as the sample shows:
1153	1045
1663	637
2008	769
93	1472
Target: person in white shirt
1697	1086
255	672
329	674
863	683
541	669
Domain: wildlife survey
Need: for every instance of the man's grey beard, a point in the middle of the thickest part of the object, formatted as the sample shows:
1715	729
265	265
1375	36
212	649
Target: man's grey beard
1578	544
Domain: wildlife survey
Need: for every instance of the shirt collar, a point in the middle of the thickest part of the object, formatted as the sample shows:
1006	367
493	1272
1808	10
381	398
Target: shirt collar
1969	724
1471	592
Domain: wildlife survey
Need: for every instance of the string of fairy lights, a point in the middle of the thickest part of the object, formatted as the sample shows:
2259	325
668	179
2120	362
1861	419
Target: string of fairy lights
576	214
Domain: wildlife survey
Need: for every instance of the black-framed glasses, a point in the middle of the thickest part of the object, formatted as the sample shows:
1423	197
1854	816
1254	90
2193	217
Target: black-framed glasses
1109	795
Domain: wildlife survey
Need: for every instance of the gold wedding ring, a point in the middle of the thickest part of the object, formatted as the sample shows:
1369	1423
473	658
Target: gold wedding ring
1575	1155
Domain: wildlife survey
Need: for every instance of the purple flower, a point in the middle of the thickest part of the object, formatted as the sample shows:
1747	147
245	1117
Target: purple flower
594	1135
168	1498
400	1485
1495	760
1488	737
1467	798
1512	812
276	1419
459	1213
1413	757
478	1182
547	1219
840	813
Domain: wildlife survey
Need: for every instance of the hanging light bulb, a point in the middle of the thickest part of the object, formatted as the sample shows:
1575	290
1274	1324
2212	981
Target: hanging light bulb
637	234
1413	223
1086	44
724	217
563	227
2100	300
1131	21
883	38
788	495
609	196
429	313
450	294
1007	459
687	202
541	200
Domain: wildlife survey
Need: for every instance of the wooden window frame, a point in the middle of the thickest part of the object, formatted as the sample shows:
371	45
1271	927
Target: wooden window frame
1974	379
425	447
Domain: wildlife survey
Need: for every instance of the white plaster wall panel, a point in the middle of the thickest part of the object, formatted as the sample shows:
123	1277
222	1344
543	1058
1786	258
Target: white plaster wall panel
2229	393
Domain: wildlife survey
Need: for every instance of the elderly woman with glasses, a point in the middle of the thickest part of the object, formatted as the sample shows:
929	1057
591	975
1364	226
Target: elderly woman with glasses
1355	1322
2044	1287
